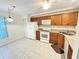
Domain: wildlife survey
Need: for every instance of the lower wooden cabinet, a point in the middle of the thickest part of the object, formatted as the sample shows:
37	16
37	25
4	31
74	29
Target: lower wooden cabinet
37	35
53	37
70	51
57	38
60	40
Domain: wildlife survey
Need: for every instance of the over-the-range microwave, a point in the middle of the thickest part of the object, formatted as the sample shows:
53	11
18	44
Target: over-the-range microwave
46	22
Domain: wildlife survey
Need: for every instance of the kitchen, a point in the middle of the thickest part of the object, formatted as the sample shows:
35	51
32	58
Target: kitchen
39	29
55	30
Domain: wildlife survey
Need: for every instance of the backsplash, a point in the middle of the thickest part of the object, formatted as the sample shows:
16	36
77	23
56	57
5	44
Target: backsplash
64	27
48	27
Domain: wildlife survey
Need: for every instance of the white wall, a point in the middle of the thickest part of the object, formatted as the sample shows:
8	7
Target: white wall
76	44
15	30
78	54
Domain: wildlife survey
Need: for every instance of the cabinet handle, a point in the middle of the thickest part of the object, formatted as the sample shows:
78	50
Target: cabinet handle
67	23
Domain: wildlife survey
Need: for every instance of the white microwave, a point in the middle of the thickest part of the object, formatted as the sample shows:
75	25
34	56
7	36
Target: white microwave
46	22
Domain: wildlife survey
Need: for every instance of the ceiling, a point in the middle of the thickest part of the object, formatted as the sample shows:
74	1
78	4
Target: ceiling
33	7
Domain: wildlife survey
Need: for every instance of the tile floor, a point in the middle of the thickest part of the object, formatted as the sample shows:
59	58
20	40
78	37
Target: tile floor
28	49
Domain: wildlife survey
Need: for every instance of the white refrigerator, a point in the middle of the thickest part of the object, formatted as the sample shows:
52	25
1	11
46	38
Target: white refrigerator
30	30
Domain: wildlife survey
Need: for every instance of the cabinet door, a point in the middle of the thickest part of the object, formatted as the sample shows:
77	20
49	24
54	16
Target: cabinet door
39	20
70	51
56	19
53	37
36	19
69	19
73	18
33	19
65	19
60	40
37	35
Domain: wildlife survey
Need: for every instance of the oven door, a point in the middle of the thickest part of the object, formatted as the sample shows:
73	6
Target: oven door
44	36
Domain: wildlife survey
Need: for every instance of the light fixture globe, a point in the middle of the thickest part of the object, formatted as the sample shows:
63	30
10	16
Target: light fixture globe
9	19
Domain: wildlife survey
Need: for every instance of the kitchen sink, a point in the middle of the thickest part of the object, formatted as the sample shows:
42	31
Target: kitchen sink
69	32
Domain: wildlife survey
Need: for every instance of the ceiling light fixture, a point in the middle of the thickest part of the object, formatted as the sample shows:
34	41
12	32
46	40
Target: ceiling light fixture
10	8
46	5
10	19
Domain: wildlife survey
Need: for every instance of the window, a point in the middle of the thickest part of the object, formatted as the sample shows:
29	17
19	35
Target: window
3	28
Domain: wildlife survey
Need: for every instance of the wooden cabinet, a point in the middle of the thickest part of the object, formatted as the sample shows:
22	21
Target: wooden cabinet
57	38
56	19
64	19
37	35
39	19
53	37
36	19
70	51
60	40
73	18
69	19
33	19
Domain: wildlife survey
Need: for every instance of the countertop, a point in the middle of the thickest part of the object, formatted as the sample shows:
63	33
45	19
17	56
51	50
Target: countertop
70	38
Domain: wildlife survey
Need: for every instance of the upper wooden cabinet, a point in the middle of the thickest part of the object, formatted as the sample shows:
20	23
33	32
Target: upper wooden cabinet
33	19
69	18
73	18
64	19
39	19
56	19
36	19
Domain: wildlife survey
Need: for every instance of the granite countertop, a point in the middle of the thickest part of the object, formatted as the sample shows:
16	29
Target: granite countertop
71	39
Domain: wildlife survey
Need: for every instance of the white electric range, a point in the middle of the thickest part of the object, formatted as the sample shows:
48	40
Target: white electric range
45	36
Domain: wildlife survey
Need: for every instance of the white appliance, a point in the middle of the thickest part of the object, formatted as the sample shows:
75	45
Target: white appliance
30	30
44	36
45	33
46	22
